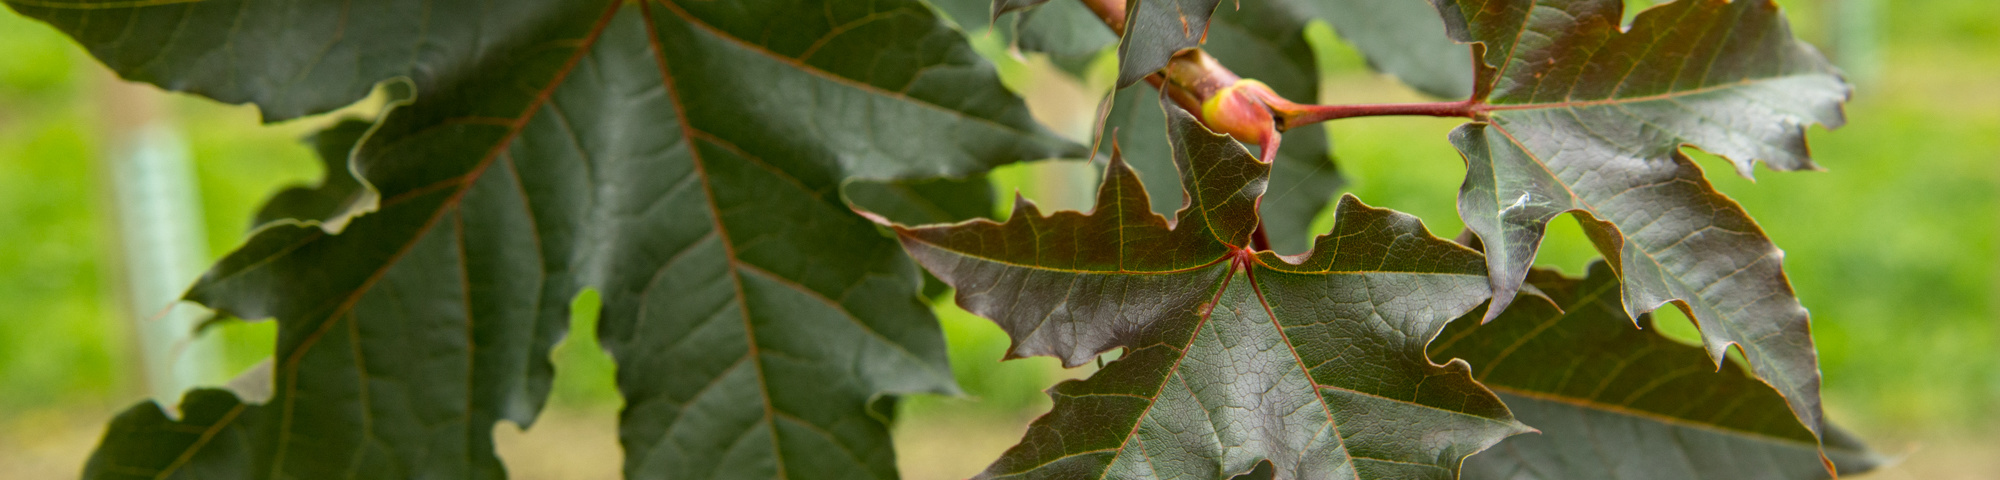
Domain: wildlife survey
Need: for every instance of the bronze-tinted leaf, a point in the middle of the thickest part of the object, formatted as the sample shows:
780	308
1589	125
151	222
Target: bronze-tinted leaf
1233	362
1058	284
1586	116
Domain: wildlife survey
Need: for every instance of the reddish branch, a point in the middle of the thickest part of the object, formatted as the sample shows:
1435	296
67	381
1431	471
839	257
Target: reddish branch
1311	114
1112	12
1247	109
1193	79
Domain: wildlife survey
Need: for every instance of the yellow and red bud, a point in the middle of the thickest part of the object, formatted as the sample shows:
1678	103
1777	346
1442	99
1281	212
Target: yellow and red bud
1240	110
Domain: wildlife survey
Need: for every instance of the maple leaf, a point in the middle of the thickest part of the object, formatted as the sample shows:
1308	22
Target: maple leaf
1616	401
1233	360
1585	116
682	158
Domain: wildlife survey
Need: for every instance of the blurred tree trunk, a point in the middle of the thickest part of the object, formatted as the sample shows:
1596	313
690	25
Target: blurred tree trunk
159	239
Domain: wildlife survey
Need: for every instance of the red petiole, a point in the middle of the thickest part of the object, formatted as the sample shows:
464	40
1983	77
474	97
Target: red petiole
1250	111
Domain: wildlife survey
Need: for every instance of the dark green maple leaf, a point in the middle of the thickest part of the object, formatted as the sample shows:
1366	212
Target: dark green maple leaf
1613	401
1585	116
684	158
1233	360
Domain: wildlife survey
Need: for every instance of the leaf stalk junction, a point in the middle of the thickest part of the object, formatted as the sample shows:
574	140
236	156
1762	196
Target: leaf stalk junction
1247	109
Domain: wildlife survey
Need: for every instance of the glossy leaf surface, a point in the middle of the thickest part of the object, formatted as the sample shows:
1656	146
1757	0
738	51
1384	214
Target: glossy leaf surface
1613	401
1232	360
1586	116
683	158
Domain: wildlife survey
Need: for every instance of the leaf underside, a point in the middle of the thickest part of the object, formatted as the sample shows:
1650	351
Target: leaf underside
1231	361
683	158
1586	116
1402	38
1613	401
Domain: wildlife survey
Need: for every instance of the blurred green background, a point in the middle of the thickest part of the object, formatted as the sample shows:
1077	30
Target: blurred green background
1893	248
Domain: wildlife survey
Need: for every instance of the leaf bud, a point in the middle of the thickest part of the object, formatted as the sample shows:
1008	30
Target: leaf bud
1240	110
